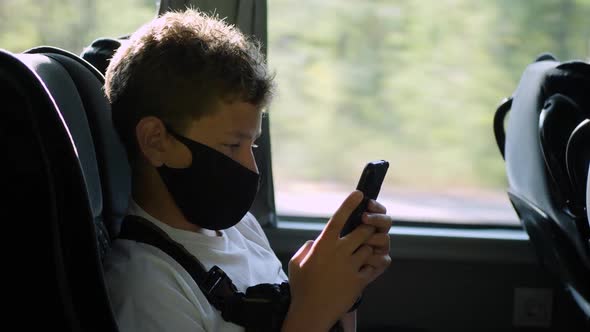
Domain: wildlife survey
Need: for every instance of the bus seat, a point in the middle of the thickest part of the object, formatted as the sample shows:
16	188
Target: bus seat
33	143
546	152
57	96
113	167
578	161
588	194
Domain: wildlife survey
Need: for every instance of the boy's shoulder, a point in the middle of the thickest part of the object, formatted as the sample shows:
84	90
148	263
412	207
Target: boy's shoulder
130	258
249	222
134	265
129	261
148	290
250	228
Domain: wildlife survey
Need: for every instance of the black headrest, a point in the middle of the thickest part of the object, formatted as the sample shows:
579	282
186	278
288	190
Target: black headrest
546	152
560	116
570	80
525	166
548	105
578	162
100	52
588	194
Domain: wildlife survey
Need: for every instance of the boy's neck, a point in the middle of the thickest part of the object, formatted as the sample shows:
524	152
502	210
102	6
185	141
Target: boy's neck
150	193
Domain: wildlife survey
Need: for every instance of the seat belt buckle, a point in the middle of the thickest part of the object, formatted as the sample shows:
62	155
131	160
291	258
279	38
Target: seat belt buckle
218	286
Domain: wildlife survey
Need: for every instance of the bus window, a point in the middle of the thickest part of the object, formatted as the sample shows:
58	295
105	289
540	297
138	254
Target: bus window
412	82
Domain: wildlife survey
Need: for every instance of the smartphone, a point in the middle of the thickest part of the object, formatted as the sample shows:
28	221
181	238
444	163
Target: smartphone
370	184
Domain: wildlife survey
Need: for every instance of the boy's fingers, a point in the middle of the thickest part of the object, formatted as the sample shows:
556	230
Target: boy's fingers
367	272
353	240
376	207
380	242
380	221
336	223
360	257
301	253
379	262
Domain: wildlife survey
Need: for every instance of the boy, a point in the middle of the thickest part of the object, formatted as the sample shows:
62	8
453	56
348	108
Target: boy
187	94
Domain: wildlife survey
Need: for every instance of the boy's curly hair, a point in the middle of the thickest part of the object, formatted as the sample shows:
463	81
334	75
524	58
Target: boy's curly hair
177	67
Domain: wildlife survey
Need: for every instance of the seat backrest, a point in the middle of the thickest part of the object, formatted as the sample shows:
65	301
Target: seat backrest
546	110
60	94
110	155
30	141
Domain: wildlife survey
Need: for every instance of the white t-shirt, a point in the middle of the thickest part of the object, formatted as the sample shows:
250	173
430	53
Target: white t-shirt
150	291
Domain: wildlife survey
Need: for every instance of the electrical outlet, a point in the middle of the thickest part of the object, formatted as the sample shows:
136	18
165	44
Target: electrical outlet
532	307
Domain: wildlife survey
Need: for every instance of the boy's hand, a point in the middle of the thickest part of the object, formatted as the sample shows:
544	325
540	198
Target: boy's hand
327	275
380	242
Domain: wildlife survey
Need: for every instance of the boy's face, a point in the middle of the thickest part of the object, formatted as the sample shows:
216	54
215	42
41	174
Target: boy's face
231	130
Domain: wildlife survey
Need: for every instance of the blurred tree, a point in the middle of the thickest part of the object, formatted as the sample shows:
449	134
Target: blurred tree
69	24
411	81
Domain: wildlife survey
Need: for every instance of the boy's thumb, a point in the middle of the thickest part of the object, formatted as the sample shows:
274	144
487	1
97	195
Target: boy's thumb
336	223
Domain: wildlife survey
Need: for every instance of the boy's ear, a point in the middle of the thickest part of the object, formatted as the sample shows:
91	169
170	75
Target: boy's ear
152	139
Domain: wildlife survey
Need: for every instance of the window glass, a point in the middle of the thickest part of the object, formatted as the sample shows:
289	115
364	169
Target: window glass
412	82
69	24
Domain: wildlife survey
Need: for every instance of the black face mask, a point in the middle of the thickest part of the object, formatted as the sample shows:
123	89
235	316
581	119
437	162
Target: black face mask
215	191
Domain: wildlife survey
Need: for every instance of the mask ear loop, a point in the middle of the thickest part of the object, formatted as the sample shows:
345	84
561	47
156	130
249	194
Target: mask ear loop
185	141
174	133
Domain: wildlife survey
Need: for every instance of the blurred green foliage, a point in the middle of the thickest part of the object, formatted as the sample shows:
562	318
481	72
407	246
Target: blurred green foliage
414	82
69	24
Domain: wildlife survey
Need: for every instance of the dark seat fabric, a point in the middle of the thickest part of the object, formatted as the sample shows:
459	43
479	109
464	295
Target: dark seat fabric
70	105
56	194
111	158
577	162
30	142
549	104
